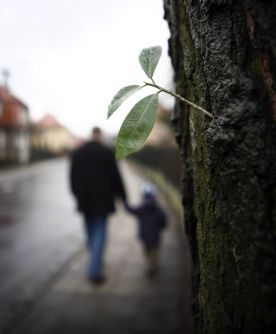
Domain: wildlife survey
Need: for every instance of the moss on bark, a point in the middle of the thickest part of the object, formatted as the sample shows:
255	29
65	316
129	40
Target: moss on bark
221	62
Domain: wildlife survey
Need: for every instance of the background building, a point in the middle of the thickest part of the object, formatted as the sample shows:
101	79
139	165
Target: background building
49	138
14	129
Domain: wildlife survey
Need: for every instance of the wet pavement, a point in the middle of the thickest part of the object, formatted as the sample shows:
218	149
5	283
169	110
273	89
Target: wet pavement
42	262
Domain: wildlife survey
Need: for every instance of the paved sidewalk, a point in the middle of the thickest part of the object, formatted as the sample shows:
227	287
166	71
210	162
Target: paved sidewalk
129	302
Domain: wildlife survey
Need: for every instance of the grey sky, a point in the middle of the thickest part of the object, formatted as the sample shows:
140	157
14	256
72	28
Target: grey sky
69	57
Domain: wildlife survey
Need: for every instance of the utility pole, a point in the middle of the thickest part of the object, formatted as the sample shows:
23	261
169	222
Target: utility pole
6	76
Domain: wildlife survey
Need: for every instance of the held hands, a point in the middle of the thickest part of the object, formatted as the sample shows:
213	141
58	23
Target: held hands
126	206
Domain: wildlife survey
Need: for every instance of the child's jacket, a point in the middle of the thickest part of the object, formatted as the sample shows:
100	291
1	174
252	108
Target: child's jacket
151	218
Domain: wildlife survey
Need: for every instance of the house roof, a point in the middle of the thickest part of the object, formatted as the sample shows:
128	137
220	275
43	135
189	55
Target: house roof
7	97
48	121
13	110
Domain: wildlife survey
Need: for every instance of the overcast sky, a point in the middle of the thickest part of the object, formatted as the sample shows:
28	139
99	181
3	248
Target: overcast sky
70	57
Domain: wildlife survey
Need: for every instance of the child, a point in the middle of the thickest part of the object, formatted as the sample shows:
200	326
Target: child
152	220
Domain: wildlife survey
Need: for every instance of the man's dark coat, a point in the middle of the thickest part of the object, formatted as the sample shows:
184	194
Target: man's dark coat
95	179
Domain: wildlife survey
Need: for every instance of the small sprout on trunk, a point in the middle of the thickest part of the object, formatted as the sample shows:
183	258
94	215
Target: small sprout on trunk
139	122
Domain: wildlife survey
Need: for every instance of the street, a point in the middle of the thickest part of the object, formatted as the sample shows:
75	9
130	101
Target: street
39	232
42	261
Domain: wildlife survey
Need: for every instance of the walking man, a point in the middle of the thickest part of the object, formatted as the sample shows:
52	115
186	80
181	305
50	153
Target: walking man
95	183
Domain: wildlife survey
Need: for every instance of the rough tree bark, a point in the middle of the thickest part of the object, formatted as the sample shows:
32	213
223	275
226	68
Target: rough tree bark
224	57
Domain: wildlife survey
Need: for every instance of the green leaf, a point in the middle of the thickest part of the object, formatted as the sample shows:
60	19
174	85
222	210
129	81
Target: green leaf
120	97
149	59
137	126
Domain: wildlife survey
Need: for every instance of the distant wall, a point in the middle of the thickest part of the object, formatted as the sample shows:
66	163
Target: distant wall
164	159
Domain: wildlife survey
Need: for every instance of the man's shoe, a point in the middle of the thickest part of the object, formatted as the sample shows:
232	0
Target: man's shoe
97	280
151	272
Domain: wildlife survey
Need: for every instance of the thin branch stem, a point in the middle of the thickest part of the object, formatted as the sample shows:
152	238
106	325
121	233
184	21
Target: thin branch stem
180	98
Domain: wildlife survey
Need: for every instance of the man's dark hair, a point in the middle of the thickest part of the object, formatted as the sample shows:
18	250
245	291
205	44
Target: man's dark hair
96	130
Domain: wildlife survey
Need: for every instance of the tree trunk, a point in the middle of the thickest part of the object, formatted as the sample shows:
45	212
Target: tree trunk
224	57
